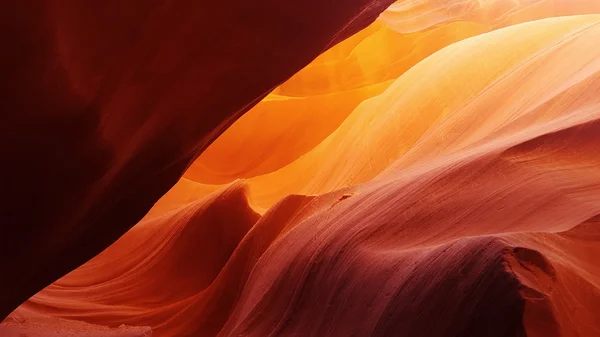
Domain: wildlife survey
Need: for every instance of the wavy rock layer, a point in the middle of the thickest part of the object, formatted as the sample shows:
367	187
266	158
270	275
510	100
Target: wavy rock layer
460	199
105	105
324	93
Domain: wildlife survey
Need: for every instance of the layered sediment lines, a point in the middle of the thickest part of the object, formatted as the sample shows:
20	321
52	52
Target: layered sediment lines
105	105
462	200
323	94
414	118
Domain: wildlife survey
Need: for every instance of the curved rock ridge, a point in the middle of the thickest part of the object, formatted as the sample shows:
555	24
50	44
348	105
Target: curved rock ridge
203	253
407	123
105	105
462	200
320	96
559	276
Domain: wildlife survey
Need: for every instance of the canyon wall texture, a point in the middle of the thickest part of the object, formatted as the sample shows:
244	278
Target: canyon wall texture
431	171
106	104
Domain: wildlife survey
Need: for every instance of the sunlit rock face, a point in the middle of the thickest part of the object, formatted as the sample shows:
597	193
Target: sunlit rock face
435	173
106	104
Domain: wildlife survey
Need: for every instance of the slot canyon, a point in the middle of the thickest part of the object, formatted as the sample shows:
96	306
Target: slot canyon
344	168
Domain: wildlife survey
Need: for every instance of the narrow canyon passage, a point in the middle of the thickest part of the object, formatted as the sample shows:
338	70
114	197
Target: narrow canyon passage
301	168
